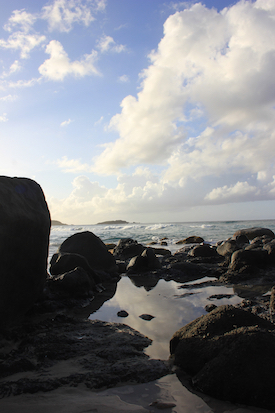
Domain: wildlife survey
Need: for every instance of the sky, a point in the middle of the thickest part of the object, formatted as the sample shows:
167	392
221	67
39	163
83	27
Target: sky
146	111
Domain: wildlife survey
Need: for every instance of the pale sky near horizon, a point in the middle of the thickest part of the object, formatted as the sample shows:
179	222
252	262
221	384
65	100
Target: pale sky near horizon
141	110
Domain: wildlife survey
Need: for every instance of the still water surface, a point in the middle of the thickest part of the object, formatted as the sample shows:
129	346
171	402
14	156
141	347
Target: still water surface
171	306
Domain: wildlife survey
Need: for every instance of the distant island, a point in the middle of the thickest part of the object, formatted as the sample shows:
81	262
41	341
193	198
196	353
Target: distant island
54	222
118	221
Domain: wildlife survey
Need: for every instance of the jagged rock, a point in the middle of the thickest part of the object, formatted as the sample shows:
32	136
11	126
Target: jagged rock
24	241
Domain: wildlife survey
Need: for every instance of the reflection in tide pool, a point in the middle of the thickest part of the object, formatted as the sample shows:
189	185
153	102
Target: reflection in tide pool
169	305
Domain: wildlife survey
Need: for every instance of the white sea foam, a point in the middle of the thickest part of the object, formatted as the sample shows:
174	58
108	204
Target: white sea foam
144	233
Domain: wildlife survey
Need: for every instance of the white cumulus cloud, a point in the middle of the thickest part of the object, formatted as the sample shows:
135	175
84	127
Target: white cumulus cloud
107	43
205	111
72	165
231	193
58	66
61	15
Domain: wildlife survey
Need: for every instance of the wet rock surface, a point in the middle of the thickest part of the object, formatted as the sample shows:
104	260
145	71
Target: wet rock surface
56	346
67	351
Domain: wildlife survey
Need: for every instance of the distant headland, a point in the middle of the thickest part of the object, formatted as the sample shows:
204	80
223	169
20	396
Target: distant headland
118	221
54	222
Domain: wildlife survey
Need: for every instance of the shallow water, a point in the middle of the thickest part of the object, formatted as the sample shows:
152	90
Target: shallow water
171	306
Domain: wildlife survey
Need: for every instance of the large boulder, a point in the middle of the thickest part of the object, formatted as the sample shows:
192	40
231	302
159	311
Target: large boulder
92	248
62	263
230	355
254	232
24	242
254	257
75	283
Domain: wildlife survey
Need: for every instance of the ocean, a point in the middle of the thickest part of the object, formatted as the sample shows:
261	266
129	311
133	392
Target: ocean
210	231
166	301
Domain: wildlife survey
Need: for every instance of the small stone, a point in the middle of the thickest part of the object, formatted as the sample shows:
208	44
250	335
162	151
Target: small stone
210	307
122	313
147	317
162	405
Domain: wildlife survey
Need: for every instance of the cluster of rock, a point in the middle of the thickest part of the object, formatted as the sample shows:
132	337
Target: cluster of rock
228	353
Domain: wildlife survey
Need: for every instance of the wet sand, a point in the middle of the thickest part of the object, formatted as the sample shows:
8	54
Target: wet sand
156	396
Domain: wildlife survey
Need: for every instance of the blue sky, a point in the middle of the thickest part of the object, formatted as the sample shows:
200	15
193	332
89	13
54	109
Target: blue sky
141	110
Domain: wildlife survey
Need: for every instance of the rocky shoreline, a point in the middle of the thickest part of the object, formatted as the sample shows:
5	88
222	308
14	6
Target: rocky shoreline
56	346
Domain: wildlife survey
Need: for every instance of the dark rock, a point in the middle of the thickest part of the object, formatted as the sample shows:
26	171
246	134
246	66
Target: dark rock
24	241
255	257
146	317
241	274
227	247
147	261
210	307
65	262
241	240
270	248
272	299
98	354
220	296
92	248
230	355
191	240
189	270
75	283
122	313
127	248
254	232
160	251
203	251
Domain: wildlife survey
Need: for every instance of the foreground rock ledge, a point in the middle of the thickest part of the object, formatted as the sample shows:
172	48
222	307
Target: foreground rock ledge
66	351
230	355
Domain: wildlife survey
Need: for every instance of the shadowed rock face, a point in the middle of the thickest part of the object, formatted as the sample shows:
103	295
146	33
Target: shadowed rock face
24	241
230	355
92	248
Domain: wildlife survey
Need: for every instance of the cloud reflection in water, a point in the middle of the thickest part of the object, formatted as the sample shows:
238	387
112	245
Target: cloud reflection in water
164	302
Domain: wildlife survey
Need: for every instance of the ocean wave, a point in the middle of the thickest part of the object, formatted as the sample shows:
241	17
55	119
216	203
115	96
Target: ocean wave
155	227
206	226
